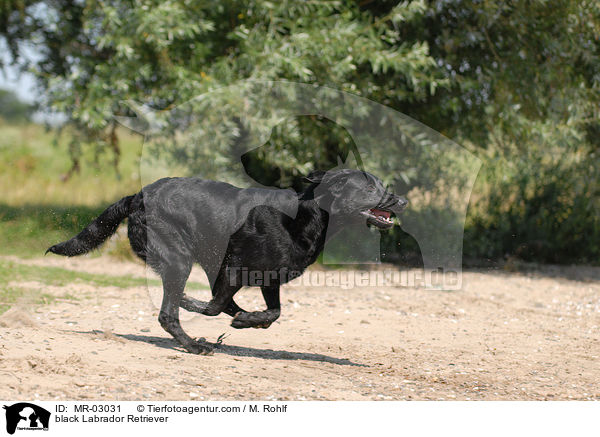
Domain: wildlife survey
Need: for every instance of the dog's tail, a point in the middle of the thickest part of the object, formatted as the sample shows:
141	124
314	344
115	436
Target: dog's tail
97	231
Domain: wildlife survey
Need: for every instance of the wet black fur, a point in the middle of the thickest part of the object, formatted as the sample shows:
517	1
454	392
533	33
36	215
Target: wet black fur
176	222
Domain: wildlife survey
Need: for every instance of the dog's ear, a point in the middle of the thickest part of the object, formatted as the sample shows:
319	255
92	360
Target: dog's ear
315	177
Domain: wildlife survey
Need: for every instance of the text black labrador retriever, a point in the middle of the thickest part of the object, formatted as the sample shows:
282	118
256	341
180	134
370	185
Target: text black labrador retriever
176	222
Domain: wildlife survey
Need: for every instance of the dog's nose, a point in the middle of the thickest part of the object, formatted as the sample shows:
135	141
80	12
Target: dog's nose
402	202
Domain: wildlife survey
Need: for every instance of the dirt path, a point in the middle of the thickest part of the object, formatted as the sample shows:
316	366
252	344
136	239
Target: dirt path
504	336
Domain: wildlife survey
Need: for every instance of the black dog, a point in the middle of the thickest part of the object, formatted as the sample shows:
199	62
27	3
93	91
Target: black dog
229	231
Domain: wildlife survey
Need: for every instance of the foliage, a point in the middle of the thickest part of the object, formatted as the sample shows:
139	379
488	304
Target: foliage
515	82
12	109
97	54
38	207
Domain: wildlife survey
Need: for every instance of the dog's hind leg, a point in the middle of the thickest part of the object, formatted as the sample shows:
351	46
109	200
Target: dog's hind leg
174	277
261	319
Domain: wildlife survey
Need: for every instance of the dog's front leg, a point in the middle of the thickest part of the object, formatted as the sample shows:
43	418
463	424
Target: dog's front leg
261	319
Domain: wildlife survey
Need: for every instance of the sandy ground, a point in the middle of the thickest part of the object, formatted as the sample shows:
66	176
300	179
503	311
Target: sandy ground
504	336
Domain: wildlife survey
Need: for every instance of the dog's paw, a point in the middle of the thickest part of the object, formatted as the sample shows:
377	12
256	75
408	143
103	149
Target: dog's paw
199	348
240	324
243	320
256	319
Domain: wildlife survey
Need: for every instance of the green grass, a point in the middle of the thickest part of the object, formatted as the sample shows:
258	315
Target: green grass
38	207
33	166
28	230
11	271
11	295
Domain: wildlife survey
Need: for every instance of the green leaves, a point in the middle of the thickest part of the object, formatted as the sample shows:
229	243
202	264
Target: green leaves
164	53
517	82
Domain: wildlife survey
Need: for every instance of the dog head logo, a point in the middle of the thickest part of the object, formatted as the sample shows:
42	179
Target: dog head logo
208	136
26	416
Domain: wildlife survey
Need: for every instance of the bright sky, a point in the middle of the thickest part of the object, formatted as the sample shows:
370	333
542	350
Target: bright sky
22	84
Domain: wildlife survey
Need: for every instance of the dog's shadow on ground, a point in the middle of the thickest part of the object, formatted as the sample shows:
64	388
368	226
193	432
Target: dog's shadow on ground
237	351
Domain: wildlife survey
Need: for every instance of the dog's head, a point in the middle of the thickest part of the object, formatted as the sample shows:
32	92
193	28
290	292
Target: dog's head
355	193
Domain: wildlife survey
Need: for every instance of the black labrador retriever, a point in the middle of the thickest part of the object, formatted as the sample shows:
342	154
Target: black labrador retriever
231	232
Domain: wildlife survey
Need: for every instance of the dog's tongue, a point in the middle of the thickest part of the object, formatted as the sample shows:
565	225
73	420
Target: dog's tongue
380	213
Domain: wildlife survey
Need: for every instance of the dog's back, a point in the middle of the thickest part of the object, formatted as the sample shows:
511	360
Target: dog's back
192	218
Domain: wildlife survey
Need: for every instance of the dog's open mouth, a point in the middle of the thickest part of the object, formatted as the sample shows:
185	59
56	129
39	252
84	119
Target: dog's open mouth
379	218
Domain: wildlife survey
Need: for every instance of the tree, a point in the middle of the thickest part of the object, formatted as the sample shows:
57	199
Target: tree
516	81
96	54
12	109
